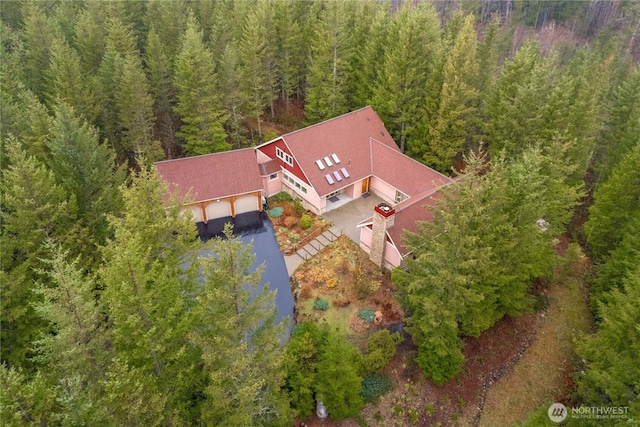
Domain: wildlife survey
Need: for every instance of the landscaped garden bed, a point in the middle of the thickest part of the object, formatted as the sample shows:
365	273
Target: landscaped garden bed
342	287
294	226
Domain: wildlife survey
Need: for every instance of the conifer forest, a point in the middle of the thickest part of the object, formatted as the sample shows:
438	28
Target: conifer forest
110	315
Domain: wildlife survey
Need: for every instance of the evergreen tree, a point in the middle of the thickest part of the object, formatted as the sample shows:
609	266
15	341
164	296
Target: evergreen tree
290	53
74	353
622	126
135	114
38	32
450	131
234	98
86	170
160	70
612	373
302	356
25	400
90	37
474	262
257	63
68	83
150	279
198	103
613	201
240	341
338	381
326	95
412	40
35	208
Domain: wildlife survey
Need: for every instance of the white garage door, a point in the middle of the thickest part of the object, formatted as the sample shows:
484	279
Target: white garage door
195	212
246	204
218	209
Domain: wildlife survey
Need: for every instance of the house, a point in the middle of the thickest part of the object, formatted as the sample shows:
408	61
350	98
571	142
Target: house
326	166
223	187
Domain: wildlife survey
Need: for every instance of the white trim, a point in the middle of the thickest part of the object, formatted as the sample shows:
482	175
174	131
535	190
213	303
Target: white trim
284	156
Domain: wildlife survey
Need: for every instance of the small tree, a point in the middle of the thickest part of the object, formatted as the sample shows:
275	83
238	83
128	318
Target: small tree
380	349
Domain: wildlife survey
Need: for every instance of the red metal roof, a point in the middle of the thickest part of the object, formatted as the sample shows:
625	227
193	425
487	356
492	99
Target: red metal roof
213	176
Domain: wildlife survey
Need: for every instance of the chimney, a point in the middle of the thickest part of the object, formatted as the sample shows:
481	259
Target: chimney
383	218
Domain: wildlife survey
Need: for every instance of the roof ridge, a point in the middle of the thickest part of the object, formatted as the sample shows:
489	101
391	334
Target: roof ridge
422	196
410	158
323	122
203	155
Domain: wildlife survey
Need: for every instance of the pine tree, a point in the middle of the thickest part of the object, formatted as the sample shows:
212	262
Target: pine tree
618	196
25	399
135	114
257	63
326	95
67	82
86	170
38	33
290	52
403	75
338	381
199	106
302	356
35	208
612	374
150	279
449	132
234	98
90	37
160	70
240	341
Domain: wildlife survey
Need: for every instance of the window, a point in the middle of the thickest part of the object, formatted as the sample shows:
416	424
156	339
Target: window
273	176
400	196
299	186
284	156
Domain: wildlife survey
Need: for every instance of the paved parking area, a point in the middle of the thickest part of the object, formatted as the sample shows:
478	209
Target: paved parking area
345	218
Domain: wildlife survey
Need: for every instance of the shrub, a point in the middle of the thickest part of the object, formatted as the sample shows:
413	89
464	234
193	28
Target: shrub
306	221
365	287
321	304
380	349
366	314
290	221
282	196
297	206
341	302
294	237
332	283
374	386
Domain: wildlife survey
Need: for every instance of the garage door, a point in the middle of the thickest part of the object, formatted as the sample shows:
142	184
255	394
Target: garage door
195	212
247	204
218	209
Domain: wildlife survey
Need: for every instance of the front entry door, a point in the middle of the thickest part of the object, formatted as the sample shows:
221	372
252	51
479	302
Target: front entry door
365	185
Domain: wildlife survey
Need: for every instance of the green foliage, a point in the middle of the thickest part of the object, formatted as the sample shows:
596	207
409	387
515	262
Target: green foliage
374	386
302	355
306	221
366	314
199	105
321	304
338	382
282	196
381	347
613	201
297	206
474	262
612	373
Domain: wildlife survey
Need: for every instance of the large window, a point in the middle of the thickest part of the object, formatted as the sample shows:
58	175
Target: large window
295	183
284	156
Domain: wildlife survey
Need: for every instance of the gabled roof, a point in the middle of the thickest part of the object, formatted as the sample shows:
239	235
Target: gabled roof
409	213
272	166
364	147
347	137
213	176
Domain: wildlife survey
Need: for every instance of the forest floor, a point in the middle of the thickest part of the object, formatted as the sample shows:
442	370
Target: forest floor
511	369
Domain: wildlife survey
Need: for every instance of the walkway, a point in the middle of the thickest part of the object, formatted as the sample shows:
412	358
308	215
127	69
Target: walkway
344	220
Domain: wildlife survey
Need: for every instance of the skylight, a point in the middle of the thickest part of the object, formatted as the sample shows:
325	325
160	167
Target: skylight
320	165
329	179
345	173
336	174
335	158
328	161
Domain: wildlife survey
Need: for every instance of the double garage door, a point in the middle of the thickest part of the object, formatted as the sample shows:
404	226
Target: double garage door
243	204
